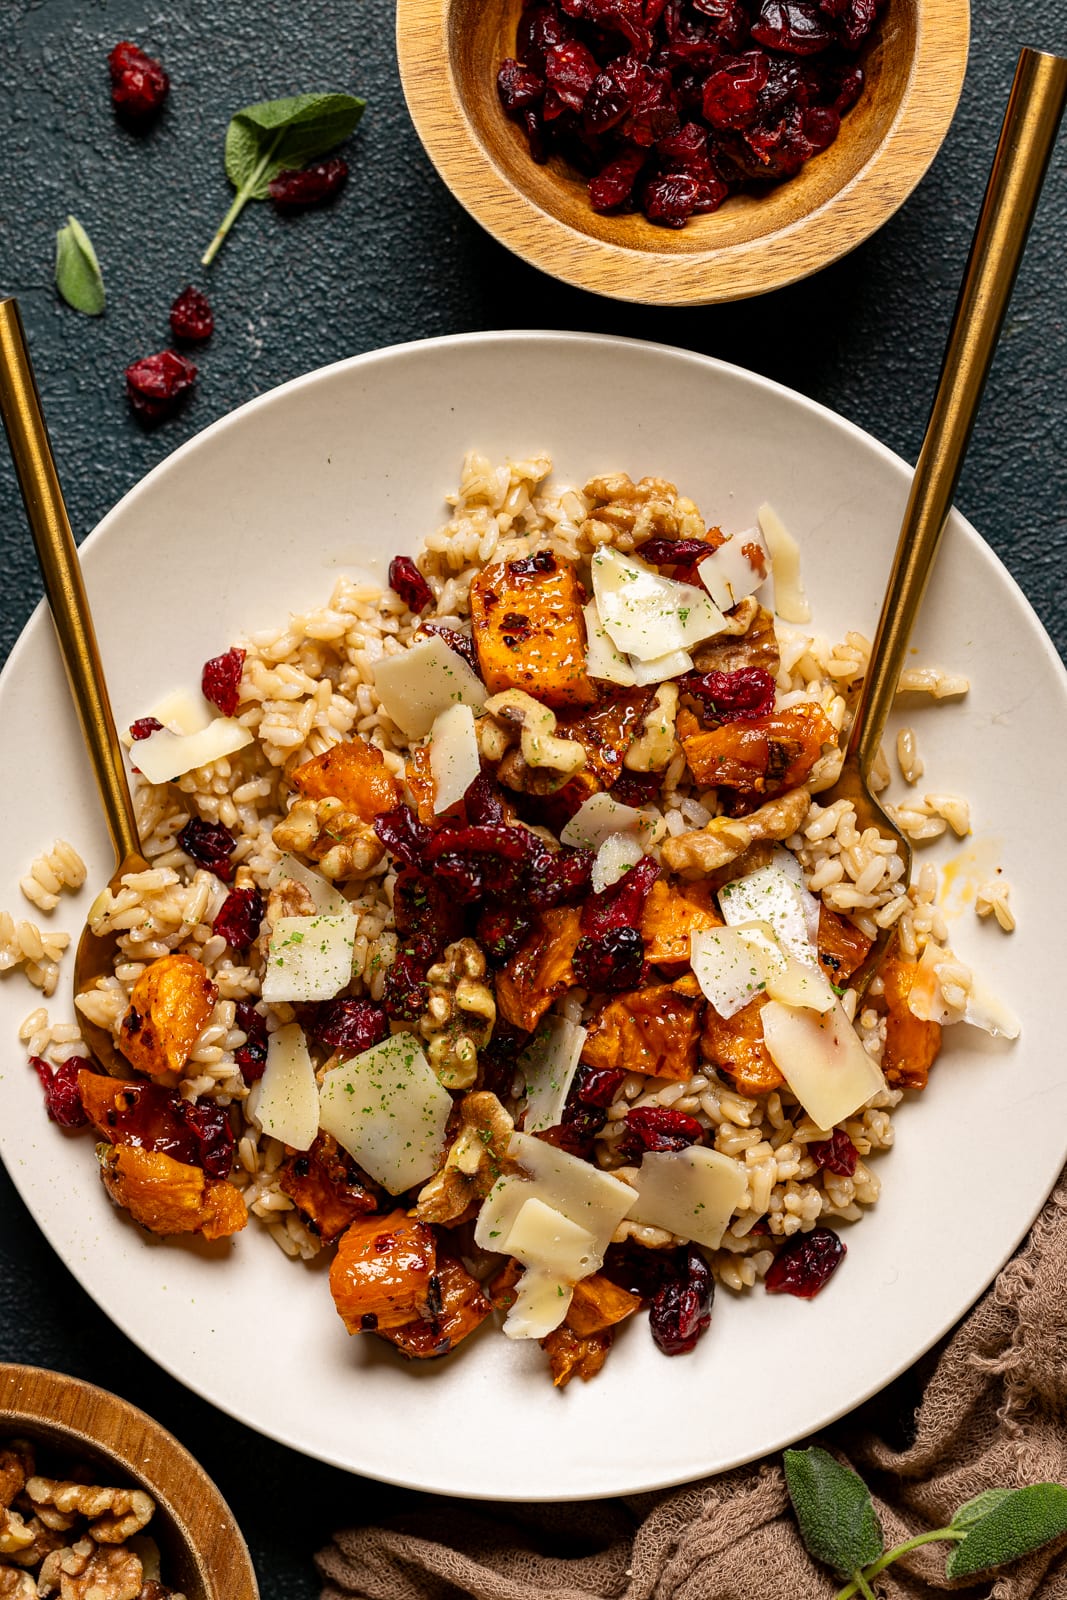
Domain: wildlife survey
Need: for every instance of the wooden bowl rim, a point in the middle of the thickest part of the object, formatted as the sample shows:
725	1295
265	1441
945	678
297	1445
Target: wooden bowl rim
56	1404
700	277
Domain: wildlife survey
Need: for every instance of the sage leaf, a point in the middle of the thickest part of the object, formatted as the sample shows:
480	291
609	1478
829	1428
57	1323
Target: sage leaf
78	276
275	135
1015	1522
972	1511
834	1511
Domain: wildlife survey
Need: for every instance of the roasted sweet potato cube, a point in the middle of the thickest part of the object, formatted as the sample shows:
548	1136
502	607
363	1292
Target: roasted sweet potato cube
674	911
572	1356
529	630
606	732
419	777
380	1276
327	1187
101	1096
842	946
167	1196
761	757
170	1004
501	1286
597	1304
758	647
353	772
653	1030
911	1045
736	1047
457	1306
540	970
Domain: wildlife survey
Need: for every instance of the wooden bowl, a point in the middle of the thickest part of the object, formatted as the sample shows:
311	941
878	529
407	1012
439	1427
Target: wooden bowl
202	1552
449	51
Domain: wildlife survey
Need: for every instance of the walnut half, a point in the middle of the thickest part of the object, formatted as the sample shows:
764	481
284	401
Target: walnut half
113	1514
460	1014
705	850
473	1163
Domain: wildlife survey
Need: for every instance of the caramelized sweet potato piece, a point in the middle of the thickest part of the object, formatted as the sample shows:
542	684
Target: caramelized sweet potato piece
757	647
529	630
167	1196
327	1187
606	732
353	772
501	1286
419	778
597	1304
456	1307
653	1030
842	946
736	1047
911	1045
540	970
761	757
170	1003
380	1276
572	1356
672	912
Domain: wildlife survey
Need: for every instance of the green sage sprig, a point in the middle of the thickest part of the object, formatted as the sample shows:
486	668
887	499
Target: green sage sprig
276	135
839	1525
78	276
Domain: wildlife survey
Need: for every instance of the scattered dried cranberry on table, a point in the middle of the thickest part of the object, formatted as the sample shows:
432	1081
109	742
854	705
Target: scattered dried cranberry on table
295	188
139	84
155	385
668	106
191	316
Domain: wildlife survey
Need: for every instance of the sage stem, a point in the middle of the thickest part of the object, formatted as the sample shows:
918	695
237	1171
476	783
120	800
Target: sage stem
241	199
858	1584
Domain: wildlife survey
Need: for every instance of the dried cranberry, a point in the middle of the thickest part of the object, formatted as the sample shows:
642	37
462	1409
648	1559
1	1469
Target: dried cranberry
212	1136
155	385
611	961
291	190
518	87
496	1062
739	696
849	90
138	83
485	838
611	97
642	1271
837	1154
62	1096
403	835
621	905
408	582
460	877
732	91
483	802
500	931
661	552
149	1117
805	1264
821	126
636	788
144	727
220	680
405	984
251	1056
210	844
582	1124
558	877
348	1026
653	112
659	1128
239	918
674	198
597	1086
613	185
685	150
541	27
569	72
681	1309
792	25
425	912
857	18
191	316
461	643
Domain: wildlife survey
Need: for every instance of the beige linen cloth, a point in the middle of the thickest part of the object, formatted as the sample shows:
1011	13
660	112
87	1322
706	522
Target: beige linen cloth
993	1413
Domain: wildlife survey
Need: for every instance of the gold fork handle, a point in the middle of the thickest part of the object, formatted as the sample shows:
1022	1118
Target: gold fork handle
31	450
1033	115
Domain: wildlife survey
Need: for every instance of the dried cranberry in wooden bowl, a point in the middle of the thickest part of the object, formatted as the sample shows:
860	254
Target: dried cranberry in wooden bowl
450	55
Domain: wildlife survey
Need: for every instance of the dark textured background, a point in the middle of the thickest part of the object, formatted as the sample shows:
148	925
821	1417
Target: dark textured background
397	259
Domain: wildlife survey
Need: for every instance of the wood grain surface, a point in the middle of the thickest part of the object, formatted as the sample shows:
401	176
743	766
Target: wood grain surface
203	1553
449	51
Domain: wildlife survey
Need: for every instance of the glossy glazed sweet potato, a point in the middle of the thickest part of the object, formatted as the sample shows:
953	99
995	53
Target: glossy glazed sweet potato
540	970
167	1196
326	1187
673	912
419	777
170	1004
654	1030
911	1045
736	1047
353	772
456	1307
380	1276
570	1355
762	757
597	1303
529	630
842	946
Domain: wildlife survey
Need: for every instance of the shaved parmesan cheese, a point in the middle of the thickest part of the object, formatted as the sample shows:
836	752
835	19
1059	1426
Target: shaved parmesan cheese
454	758
388	1110
981	1008
822	1060
602	660
738	568
692	1193
645	614
418	683
592	1198
309	958
287	1102
618	853
790	601
181	713
321	890
548	1065
801	985
541	1303
598	818
662	668
787	862
734	965
543	1238
165	755
770	895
